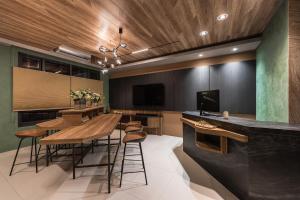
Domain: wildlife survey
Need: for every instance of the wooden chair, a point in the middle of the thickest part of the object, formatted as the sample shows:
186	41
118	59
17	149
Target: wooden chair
137	137
33	134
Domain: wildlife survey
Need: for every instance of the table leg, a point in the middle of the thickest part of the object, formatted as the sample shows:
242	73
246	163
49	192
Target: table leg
47	155
120	133
108	163
73	160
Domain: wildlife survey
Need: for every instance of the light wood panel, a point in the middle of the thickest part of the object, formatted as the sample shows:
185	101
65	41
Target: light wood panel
294	61
87	24
95	128
39	90
183	65
172	124
78	83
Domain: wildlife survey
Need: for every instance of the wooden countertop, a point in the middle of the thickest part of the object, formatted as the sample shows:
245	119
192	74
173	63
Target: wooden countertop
215	131
247	125
76	111
95	128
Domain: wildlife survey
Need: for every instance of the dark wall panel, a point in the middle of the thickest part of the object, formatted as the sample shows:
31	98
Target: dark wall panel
236	82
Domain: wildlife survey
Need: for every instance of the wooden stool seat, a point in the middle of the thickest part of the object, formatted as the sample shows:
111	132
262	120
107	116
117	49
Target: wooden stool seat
31	133
134	137
130	129
134	123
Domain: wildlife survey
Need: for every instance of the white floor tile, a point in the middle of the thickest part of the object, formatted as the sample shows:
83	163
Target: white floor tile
169	171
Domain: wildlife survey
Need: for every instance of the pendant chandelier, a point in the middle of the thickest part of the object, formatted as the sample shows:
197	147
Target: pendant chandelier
115	58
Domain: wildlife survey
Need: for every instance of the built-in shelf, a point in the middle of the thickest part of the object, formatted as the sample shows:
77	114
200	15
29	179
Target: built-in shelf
213	138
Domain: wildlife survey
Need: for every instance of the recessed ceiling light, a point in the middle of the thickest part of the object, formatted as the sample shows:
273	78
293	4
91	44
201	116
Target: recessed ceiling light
222	17
139	51
200	55
203	33
118	61
123	45
235	49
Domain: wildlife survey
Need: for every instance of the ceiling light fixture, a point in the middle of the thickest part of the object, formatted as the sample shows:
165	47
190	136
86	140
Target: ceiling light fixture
222	17
200	55
235	49
203	33
139	51
113	51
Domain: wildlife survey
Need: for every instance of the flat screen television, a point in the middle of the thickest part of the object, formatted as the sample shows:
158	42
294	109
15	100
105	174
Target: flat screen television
149	95
208	101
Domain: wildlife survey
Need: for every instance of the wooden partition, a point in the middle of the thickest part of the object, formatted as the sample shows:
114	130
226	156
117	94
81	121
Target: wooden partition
39	90
78	83
34	89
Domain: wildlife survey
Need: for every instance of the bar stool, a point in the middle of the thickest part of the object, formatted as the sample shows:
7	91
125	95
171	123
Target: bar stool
133	126
33	134
137	137
134	123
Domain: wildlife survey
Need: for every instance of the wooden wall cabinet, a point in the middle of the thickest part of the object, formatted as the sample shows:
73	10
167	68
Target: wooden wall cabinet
40	90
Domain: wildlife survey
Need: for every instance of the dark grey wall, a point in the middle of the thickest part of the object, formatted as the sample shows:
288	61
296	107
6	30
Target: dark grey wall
236	82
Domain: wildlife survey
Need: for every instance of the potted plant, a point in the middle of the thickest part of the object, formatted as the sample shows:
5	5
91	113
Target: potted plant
76	96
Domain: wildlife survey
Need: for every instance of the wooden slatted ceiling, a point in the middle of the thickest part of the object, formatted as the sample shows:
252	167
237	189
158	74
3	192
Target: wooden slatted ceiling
95	128
87	24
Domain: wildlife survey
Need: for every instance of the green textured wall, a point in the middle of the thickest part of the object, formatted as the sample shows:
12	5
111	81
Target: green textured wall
9	119
105	79
272	70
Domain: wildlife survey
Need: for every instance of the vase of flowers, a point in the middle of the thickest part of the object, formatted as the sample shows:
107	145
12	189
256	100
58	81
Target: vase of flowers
88	95
96	98
86	98
77	97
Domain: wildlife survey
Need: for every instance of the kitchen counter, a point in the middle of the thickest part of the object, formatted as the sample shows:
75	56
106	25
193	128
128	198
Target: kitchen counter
264	167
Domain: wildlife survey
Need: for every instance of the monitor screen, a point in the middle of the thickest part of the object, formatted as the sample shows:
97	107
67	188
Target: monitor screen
208	101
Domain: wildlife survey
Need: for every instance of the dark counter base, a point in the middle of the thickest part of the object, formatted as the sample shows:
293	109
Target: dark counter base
229	169
265	168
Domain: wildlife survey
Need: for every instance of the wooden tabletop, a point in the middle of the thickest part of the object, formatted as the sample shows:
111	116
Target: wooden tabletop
95	128
54	124
75	111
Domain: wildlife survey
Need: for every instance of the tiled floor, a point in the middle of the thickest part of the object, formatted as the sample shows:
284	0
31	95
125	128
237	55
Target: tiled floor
168	168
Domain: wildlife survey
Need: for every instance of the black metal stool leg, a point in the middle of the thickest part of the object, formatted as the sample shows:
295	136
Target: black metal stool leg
92	146
122	168
31	150
13	165
73	160
143	162
47	155
36	156
81	153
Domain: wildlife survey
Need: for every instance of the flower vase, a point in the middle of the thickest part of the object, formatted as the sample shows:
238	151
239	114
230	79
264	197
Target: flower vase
89	103
82	103
76	104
